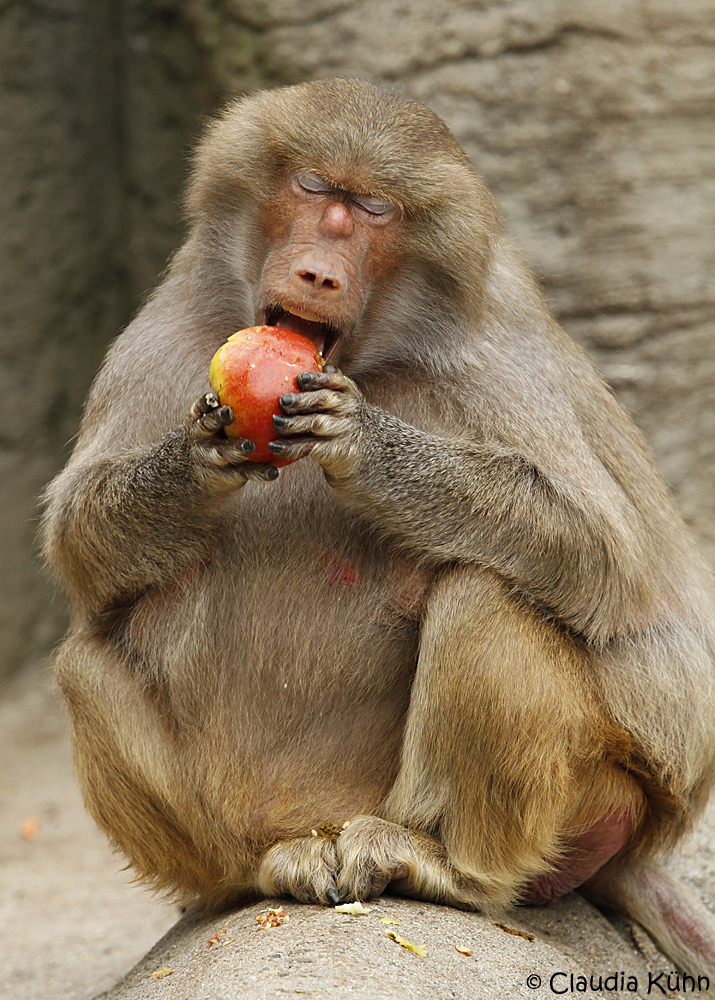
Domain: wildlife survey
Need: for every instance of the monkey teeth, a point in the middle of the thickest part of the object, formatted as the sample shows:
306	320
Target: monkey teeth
323	334
308	317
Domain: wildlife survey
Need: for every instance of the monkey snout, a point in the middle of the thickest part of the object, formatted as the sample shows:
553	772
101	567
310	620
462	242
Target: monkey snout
319	275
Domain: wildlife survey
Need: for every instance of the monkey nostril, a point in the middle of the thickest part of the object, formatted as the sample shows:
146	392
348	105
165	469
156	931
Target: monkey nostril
320	280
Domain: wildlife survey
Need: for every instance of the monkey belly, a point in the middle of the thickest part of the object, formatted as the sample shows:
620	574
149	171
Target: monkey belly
293	709
583	856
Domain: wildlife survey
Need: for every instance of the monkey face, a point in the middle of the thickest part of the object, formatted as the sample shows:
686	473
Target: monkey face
328	247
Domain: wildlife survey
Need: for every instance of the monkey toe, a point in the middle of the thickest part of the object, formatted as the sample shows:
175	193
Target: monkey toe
371	853
303	868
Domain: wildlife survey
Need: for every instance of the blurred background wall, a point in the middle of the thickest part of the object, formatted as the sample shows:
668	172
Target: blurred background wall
593	122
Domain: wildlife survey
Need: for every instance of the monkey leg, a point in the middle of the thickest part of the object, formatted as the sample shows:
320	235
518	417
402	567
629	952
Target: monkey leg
142	788
506	786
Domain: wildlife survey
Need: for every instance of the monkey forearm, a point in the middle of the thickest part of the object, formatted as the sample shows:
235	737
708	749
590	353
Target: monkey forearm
452	500
115	527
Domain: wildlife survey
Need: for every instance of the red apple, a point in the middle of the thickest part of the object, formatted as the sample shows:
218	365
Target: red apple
251	371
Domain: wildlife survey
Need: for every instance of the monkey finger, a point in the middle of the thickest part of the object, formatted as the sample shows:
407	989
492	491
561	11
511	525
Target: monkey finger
292	448
223	453
310	402
320	424
213	421
204	404
334	379
259	472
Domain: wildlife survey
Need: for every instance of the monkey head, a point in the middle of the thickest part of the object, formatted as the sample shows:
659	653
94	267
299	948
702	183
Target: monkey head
356	234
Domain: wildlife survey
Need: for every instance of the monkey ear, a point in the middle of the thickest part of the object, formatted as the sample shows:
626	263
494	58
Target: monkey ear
233	164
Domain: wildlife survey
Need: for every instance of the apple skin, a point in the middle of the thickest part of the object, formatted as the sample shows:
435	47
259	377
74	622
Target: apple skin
251	371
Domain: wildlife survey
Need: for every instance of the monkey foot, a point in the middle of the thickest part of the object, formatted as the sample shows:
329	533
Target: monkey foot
303	868
582	858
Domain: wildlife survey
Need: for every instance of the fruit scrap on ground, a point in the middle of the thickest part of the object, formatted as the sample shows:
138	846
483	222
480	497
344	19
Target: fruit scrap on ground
354	909
512	930
160	973
274	918
418	949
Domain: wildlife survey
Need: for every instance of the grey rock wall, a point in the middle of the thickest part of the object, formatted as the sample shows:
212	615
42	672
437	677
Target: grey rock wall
59	297
98	101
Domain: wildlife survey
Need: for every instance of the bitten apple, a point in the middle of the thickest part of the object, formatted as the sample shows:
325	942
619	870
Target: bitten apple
251	371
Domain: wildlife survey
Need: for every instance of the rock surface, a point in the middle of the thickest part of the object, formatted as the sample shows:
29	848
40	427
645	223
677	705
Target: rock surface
320	952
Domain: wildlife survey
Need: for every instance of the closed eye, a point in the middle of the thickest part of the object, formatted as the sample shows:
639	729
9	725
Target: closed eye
312	183
375	206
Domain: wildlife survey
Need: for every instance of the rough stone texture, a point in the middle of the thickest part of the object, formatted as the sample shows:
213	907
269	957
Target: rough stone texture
59	206
322	953
99	100
593	122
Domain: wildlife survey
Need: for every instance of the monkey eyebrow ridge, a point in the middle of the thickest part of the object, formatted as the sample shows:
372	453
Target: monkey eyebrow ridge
314	184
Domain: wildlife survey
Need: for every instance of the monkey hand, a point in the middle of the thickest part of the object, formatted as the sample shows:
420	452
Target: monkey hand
326	420
219	460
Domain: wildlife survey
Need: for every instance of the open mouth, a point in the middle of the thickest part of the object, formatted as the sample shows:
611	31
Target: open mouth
324	335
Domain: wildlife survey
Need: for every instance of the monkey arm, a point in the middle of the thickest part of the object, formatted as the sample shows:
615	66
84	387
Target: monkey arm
117	526
575	545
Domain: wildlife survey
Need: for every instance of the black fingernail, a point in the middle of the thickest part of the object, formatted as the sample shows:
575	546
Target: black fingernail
226	414
247	447
276	447
272	472
279	421
332	895
306	378
288	399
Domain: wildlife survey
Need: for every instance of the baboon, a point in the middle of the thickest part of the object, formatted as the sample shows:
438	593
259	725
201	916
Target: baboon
464	646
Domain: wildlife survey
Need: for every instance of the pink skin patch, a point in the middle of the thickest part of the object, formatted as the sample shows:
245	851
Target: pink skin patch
339	570
582	858
194	572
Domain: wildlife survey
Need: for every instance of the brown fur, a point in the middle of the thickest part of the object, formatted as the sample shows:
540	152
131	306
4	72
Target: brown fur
470	624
